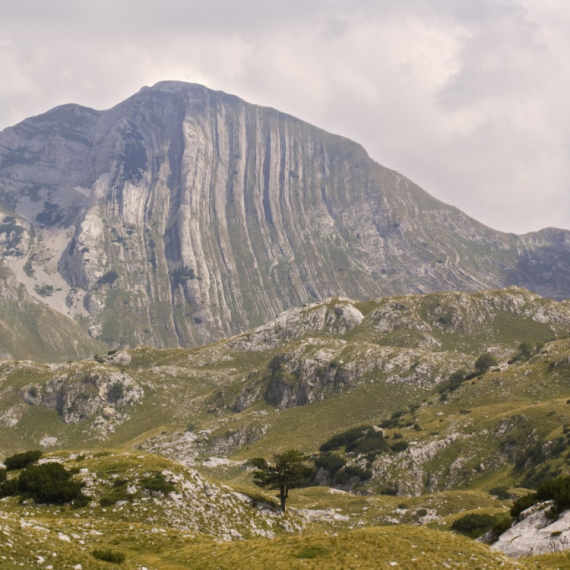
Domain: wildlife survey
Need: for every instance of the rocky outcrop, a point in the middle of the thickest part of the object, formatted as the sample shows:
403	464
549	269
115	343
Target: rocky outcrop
98	394
535	533
184	215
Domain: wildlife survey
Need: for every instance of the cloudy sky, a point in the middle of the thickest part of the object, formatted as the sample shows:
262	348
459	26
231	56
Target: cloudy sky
468	98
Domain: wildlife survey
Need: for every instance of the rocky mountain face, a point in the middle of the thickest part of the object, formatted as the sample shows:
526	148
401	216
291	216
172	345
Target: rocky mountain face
184	215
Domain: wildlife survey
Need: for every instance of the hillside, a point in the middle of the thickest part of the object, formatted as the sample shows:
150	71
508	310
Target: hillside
184	215
406	430
314	372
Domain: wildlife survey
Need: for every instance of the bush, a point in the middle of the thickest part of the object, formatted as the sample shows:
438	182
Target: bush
116	392
330	462
343	439
372	441
502	524
9	488
523	503
421	512
557	490
399	446
3	475
473	525
156	483
484	362
21	460
109	556
500	492
454	381
349	472
49	483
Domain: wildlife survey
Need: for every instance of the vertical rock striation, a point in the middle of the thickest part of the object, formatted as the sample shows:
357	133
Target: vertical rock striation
184	215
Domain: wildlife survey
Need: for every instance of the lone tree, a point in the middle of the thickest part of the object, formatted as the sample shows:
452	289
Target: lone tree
288	471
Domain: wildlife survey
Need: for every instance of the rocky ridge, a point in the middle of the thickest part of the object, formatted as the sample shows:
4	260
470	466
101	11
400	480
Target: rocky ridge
184	215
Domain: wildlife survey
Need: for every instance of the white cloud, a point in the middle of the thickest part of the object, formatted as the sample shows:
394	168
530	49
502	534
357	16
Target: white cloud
468	98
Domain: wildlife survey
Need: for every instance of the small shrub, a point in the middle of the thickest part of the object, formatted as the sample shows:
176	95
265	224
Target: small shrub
502	524
343	439
22	460
371	441
3	475
500	492
330	462
473	525
421	512
349	472
484	362
109	556
116	392
399	446
156	483
523	503
556	533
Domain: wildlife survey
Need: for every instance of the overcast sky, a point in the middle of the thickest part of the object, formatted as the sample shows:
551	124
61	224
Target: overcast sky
468	98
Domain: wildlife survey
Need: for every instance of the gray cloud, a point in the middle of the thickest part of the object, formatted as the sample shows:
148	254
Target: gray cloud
468	98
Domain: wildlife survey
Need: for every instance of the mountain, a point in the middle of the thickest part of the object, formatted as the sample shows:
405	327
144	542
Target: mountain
184	215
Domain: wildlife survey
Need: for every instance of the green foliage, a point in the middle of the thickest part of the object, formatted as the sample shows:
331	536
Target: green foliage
557	490
502	523
9	488
399	446
116	392
49	483
156	483
473	525
3	475
500	492
109	555
288	471
350	472
371	442
345	438
523	503
21	460
484	362
454	381
421	512
330	462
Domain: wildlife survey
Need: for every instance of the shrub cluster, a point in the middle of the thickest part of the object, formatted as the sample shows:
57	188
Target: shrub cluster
350	472
473	525
22	460
49	483
330	462
345	438
557	490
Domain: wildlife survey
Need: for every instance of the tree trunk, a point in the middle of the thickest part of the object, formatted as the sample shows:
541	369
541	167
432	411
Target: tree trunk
283	497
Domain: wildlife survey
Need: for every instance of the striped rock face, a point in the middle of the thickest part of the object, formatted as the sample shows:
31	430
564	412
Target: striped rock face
184	215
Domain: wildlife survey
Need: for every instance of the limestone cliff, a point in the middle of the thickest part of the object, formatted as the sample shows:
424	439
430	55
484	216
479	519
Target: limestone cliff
183	215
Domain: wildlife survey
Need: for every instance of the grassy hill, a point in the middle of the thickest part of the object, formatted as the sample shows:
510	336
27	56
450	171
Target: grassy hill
436	435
